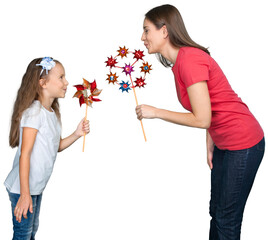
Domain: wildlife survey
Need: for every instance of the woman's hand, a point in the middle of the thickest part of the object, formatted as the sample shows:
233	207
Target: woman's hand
145	111
210	150
24	203
83	127
209	157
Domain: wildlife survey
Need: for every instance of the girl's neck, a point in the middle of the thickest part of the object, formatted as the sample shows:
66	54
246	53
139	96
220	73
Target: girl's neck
46	103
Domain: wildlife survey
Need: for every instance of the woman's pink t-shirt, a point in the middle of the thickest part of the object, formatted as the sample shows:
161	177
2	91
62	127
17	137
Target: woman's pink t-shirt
233	126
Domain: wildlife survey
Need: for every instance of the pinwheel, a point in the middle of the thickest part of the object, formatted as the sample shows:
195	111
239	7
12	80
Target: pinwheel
128	69
84	97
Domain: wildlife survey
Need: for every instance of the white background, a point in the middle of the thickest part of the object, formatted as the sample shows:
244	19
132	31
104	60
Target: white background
121	187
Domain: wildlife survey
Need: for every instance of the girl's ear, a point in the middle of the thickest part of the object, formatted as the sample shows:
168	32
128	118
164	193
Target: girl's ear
165	32
42	83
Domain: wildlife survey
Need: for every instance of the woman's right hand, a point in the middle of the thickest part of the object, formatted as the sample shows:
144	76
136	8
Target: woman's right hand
145	111
24	204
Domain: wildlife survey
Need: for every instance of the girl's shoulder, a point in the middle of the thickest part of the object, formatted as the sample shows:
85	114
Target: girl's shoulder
33	110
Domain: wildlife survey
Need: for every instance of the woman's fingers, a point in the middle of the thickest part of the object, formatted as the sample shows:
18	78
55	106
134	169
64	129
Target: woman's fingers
145	111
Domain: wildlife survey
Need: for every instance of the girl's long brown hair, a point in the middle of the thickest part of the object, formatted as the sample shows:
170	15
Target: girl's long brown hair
169	16
29	91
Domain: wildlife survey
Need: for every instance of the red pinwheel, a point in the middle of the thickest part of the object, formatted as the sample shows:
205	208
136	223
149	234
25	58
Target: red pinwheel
138	54
82	93
83	96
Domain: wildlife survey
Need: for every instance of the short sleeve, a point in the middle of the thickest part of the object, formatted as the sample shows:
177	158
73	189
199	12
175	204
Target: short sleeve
32	118
194	67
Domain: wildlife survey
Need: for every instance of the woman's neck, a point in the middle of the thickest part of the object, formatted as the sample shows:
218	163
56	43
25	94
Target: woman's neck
170	53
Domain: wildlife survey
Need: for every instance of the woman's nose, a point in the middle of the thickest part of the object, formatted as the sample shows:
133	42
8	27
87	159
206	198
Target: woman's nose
143	37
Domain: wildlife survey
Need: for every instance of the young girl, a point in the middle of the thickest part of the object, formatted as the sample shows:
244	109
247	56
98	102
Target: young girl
36	131
235	140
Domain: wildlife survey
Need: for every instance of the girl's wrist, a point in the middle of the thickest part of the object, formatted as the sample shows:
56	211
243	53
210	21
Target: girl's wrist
24	193
76	135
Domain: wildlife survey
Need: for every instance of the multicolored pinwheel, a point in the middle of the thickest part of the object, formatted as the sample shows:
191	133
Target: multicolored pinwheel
128	69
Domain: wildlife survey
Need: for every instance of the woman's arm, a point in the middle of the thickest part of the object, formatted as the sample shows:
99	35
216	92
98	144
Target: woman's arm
25	201
83	127
200	116
210	149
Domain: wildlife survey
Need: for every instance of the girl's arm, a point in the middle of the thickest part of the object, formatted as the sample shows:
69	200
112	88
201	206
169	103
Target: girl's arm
83	127
25	201
210	149
200	116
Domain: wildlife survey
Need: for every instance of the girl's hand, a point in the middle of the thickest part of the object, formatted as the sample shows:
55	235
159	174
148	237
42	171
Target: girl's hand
24	203
83	127
145	111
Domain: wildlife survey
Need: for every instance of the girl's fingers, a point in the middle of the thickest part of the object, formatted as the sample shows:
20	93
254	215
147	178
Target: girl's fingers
18	215
86	128
31	208
25	213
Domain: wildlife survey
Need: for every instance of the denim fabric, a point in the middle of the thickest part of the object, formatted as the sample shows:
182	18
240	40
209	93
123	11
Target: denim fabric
27	228
232	177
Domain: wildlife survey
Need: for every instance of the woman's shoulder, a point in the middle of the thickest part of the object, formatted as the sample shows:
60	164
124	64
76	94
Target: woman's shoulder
192	51
189	56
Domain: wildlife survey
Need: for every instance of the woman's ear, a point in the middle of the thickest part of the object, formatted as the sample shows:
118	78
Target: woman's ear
42	83
165	31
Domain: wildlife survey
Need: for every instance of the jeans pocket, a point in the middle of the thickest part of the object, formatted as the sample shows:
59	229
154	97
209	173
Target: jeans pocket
261	145
13	197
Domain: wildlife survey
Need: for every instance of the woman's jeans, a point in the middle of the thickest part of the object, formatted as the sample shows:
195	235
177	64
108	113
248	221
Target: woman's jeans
232	177
27	228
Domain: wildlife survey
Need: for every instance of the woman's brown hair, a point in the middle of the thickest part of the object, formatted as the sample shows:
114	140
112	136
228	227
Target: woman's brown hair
169	16
29	91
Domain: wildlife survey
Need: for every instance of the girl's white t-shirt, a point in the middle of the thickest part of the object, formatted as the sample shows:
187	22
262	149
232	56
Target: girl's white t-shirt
44	151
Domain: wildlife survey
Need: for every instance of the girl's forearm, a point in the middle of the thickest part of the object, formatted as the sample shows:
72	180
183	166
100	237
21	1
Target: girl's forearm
68	141
24	170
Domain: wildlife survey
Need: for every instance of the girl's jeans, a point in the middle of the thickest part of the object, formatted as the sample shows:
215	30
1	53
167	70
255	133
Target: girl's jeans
27	228
232	177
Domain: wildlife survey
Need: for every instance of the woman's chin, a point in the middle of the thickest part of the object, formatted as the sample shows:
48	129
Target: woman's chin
149	51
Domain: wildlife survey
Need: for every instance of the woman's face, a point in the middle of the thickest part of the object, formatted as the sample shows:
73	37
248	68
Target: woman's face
153	38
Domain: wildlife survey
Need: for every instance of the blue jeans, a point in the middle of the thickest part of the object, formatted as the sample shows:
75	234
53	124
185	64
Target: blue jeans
232	177
27	228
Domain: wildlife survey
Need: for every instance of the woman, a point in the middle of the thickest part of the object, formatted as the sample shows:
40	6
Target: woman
235	140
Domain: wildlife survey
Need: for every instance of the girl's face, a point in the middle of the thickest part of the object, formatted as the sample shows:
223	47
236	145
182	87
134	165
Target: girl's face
153	38
56	84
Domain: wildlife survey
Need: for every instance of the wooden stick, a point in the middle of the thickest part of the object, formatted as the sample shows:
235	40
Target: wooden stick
84	132
137	105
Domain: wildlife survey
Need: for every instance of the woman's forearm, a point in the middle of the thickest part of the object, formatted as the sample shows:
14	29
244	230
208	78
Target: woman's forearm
185	119
210	143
